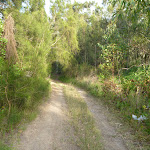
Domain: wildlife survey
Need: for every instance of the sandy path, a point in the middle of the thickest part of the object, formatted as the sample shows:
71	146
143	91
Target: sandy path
111	139
50	130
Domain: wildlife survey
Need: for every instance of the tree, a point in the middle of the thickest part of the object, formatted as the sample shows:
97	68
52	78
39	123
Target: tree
64	27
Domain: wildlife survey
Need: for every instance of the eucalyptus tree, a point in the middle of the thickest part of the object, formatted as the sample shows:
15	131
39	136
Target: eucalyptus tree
126	36
134	20
11	3
64	25
92	26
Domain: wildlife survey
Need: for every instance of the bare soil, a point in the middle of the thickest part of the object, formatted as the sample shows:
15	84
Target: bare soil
50	130
112	140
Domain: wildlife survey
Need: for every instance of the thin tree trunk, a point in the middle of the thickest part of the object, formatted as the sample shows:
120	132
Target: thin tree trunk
95	58
6	93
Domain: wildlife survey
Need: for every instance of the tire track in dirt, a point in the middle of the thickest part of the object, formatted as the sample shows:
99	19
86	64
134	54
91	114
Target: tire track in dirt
111	139
50	130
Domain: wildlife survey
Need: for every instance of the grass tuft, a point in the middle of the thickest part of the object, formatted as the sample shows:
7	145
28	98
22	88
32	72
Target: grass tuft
83	122
4	147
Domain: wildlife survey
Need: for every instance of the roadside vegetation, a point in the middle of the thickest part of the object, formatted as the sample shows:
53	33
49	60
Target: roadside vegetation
104	49
20	91
114	65
88	136
109	92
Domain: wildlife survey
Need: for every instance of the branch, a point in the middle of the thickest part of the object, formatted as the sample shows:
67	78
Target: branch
134	66
58	39
6	93
130	68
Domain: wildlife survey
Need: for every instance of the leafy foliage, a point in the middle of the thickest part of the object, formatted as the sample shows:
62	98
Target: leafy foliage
75	41
23	84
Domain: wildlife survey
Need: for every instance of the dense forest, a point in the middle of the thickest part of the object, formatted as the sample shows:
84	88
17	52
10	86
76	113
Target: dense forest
105	50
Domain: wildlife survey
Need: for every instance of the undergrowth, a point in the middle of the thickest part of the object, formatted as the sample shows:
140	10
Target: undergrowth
110	92
23	83
19	115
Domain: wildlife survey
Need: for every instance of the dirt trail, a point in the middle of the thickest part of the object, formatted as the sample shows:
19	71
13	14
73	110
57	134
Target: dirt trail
50	130
111	139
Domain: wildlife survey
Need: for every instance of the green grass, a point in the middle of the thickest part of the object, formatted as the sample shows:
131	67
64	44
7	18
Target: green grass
83	122
19	116
4	147
122	109
13	124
